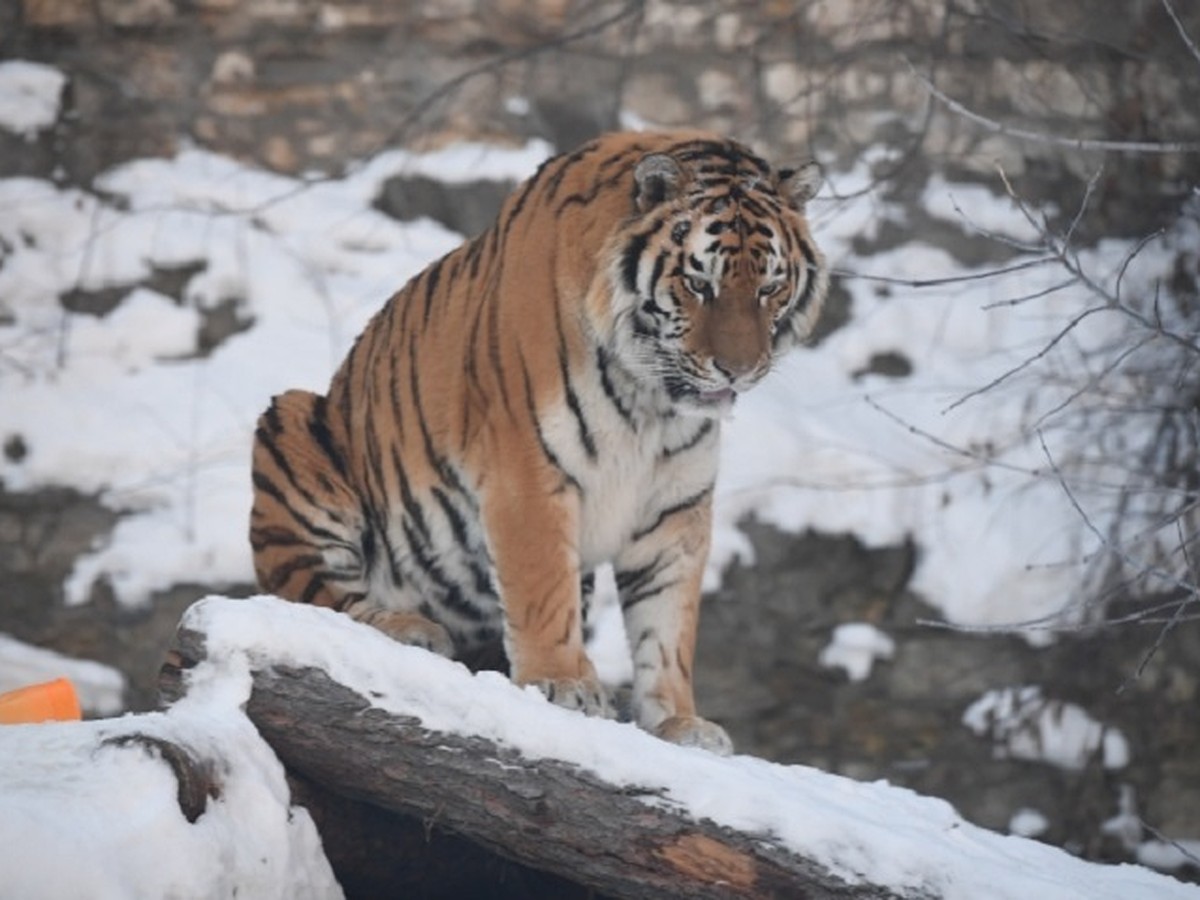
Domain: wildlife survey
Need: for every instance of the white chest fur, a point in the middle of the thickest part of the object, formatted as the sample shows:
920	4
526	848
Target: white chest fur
632	466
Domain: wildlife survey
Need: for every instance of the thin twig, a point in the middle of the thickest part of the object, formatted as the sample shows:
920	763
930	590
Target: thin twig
1041	137
1158	835
1029	360
1187	38
1170	625
1036	295
1135	565
949	279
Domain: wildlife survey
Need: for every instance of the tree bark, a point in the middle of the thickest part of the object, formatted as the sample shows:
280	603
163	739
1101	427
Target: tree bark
545	814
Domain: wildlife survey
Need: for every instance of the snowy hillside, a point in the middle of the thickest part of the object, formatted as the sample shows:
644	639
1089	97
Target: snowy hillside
124	404
116	392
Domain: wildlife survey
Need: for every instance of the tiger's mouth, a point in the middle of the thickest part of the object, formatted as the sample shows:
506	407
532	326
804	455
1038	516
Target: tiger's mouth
722	397
716	402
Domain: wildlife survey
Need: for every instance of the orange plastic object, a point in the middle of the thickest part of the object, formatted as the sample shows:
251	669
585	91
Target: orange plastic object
50	701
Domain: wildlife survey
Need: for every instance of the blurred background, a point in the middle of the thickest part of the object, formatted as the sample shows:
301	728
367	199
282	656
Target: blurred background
176	175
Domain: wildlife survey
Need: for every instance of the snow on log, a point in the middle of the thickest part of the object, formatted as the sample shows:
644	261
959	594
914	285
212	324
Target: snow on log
600	803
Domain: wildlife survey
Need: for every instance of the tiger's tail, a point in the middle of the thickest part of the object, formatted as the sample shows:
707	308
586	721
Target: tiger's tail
307	528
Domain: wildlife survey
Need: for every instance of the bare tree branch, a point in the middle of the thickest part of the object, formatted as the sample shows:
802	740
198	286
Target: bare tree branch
1024	134
1187	38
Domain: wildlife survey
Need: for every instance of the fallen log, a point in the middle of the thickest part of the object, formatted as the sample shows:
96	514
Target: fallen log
545	814
596	804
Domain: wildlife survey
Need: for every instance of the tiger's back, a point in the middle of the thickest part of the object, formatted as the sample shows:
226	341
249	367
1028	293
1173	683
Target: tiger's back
543	399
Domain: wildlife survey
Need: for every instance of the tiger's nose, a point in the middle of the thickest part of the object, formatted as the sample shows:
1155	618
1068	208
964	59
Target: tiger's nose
735	369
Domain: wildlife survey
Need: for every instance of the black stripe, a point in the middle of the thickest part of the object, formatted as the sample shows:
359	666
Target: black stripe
527	190
631	258
282	574
649	592
682	506
494	356
413	511
519	202
269	422
393	562
439	463
568	162
483	579
810	262
367	541
457	521
374	480
275	536
474	255
585	433
610	390
550	455
432	276
701	433
622	165
268	487
754	207
318	427
310	590
660	262
394	392
636	585
450	593
267	442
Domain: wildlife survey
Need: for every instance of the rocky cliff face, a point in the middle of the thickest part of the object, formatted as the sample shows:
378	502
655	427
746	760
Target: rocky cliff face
301	86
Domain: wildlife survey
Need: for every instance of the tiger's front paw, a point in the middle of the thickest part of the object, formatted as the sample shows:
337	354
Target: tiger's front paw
693	731
584	694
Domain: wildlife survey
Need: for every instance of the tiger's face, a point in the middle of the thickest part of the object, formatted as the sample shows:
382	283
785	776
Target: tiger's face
718	274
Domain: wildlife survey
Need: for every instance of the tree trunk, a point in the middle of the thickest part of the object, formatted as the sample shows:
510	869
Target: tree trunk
545	814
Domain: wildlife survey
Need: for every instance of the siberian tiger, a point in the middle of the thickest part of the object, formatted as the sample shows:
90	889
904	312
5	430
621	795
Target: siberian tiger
542	400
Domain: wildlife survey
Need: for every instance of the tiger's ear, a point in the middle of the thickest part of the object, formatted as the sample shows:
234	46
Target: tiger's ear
658	178
799	185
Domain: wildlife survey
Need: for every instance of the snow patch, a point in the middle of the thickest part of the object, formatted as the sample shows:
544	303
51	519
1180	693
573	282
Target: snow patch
146	327
1024	724
854	648
1169	856
976	209
1028	823
29	96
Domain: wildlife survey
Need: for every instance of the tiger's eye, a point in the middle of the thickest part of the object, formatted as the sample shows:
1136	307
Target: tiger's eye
701	287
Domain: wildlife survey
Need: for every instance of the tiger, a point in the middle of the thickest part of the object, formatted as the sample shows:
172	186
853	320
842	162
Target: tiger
544	400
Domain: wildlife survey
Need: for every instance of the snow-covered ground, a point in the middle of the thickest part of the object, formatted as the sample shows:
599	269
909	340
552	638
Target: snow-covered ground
114	814
123	404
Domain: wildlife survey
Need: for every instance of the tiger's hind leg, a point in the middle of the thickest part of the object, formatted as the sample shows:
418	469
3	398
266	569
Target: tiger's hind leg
311	539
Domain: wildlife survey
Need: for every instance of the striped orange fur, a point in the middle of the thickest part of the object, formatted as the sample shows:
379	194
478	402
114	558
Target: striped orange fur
542	400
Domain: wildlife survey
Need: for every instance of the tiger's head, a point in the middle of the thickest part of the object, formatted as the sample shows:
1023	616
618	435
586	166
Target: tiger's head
715	274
